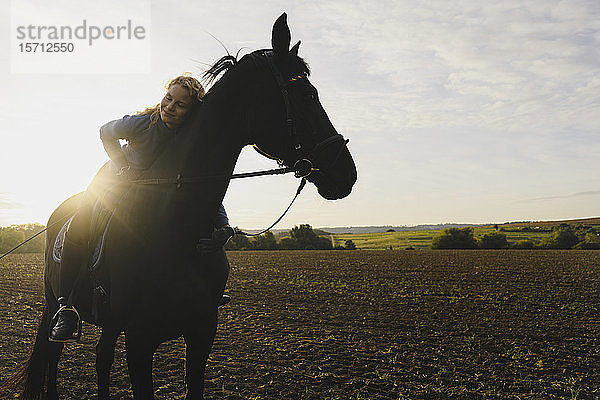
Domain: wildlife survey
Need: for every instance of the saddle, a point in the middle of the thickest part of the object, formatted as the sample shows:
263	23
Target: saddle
96	279
101	218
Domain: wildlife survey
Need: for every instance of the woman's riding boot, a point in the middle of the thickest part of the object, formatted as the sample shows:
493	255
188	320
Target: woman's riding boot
66	323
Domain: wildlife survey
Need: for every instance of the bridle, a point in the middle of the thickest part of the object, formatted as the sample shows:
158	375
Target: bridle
304	165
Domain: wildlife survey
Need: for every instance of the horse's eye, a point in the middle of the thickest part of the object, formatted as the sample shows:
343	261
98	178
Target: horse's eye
313	96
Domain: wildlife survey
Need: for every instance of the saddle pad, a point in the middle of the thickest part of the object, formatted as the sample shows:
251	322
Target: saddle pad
101	223
60	239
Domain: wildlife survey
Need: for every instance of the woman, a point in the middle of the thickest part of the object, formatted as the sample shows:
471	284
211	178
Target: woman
147	134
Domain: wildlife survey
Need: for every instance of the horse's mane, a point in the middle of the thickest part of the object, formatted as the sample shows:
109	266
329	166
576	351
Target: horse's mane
223	64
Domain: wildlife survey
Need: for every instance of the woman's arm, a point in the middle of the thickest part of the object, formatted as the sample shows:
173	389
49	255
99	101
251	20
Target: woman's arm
221	220
221	235
126	128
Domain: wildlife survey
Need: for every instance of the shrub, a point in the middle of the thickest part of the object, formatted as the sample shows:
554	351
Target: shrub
590	242
455	238
14	235
493	240
563	237
349	245
266	241
238	242
523	245
303	237
287	243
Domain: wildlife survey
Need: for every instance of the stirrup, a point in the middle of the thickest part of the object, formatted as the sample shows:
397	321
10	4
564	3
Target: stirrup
75	338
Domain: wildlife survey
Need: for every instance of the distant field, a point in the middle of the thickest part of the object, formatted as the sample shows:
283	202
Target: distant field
422	239
582	221
387	240
376	325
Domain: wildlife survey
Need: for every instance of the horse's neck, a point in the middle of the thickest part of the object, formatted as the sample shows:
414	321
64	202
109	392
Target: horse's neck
207	147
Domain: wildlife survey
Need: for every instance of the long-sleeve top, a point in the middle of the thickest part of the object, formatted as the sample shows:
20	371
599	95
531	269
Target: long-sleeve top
144	144
144	141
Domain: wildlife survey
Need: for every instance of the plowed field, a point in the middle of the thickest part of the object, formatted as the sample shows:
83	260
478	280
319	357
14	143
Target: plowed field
364	325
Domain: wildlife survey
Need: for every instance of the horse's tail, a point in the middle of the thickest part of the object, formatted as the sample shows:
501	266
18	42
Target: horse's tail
30	377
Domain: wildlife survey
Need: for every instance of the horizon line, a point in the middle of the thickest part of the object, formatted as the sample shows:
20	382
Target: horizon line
388	226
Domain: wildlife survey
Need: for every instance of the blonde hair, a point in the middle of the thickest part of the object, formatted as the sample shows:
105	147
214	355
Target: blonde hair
192	85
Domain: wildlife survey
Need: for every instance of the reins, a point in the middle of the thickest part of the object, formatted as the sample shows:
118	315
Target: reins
300	187
180	180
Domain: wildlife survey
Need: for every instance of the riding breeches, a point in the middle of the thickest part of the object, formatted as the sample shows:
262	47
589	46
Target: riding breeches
75	246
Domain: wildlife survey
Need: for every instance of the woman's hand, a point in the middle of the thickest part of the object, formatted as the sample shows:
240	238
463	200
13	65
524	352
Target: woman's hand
129	174
220	237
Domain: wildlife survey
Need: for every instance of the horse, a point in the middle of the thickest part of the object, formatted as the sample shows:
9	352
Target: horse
161	287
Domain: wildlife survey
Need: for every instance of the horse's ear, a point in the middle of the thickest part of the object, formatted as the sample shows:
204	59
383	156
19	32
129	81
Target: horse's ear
294	50
281	37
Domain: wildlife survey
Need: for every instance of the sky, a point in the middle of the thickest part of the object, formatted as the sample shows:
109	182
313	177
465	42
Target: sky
456	111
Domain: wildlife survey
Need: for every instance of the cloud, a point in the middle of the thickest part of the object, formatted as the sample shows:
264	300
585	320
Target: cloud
515	64
569	196
7	204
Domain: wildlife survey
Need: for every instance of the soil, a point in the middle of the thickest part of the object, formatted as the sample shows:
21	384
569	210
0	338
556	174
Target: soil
363	325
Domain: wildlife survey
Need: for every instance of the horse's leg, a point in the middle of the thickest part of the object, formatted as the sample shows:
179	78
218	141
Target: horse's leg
54	352
140	350
198	342
105	355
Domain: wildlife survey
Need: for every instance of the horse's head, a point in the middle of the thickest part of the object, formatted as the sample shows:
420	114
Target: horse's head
288	123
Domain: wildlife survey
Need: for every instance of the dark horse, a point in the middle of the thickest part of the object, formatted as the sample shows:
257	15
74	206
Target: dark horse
160	286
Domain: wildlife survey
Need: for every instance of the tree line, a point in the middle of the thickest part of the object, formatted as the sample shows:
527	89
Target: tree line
562	237
11	236
301	237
